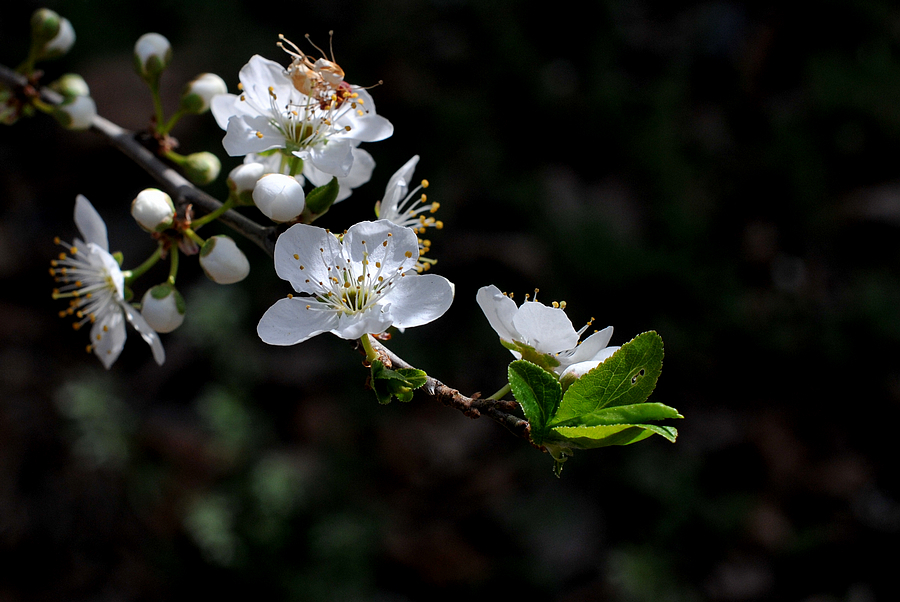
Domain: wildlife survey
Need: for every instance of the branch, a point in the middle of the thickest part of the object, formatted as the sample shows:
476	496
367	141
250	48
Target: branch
184	193
473	407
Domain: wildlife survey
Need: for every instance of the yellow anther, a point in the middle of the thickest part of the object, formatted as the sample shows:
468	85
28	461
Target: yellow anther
259	135
435	206
359	112
290	296
424	183
56	240
408	254
439	225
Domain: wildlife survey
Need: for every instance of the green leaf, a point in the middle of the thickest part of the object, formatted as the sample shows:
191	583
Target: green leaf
589	437
638	413
625	379
398	383
538	392
320	199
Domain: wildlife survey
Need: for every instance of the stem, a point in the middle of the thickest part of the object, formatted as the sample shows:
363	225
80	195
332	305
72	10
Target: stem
132	275
202	221
371	354
296	165
193	236
171	123
499	394
173	265
157	105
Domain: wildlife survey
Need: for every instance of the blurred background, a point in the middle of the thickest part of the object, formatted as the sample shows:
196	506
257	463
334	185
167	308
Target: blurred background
725	173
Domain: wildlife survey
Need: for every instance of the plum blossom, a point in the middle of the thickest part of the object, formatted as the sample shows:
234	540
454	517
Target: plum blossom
271	113
94	284
362	284
541	334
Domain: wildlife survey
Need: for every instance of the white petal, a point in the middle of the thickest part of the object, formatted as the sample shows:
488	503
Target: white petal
335	157
223	106
547	329
353	326
108	337
417	300
368	127
360	173
589	347
251	135
400	254
258	74
316	250
499	310
90	224
289	322
148	334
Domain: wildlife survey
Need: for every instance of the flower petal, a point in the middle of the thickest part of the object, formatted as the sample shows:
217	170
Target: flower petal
499	310
303	255
399	254
547	329
417	300
108	337
334	157
353	326
90	224
589	348
292	321
147	333
251	134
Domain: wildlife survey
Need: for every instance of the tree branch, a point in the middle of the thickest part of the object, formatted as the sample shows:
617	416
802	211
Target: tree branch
184	193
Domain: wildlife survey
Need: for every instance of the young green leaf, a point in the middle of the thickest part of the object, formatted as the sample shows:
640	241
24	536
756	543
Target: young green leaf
320	199
538	392
398	383
625	379
589	437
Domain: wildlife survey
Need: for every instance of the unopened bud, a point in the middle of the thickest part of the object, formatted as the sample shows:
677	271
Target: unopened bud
152	53
71	85
199	91
202	168
60	43
153	210
279	197
242	180
76	113
222	260
163	308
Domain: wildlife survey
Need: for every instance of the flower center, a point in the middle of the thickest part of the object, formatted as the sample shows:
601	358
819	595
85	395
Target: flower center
85	281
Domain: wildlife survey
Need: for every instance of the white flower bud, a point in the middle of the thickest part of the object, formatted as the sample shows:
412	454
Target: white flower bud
279	197
576	371
61	43
76	113
153	210
71	85
163	308
199	91
222	260
242	180
202	168
152	53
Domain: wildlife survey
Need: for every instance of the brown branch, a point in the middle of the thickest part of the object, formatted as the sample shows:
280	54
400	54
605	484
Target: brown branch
183	193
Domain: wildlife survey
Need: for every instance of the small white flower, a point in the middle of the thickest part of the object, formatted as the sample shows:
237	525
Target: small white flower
539	333
271	113
222	260
163	308
94	284
279	197
198	92
403	207
361	285
153	210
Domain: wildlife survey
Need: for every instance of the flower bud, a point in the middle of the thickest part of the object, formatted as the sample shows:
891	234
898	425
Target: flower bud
153	210
199	91
576	371
45	25
222	260
242	180
152	53
71	85
76	113
279	197
61	43
163	308
202	168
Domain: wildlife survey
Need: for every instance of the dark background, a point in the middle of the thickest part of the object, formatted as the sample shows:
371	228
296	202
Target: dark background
724	173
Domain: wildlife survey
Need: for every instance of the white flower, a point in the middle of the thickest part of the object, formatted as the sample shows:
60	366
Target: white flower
222	261
279	197
360	171
402	207
539	333
271	113
93	282
362	284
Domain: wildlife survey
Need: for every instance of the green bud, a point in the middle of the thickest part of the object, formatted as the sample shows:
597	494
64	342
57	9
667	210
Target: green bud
51	35
202	168
320	199
198	93
71	85
45	24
